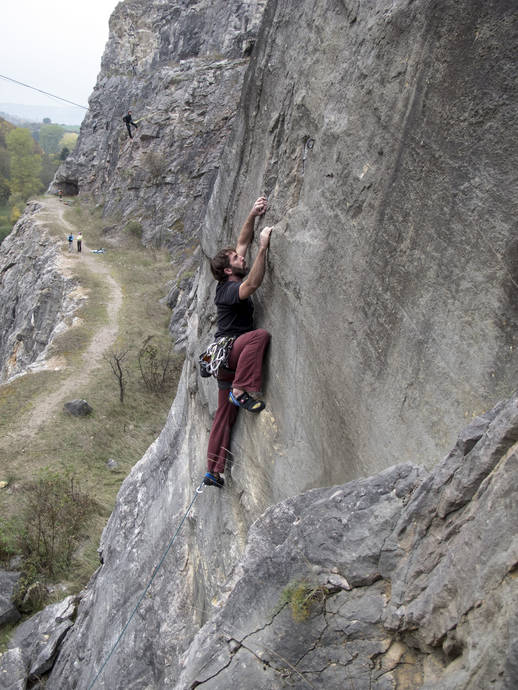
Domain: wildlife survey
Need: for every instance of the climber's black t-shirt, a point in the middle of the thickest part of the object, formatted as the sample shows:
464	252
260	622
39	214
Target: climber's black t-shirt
235	316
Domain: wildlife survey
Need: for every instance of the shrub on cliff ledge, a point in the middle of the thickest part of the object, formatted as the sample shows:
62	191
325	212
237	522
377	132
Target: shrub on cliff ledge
133	227
301	596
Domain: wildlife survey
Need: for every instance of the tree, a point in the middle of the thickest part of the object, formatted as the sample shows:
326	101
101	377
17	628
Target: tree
4	163
64	154
50	136
68	140
115	359
47	120
49	165
5	191
54	515
25	163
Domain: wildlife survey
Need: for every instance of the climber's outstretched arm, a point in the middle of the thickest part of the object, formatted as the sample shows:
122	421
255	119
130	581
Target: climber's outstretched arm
247	231
256	275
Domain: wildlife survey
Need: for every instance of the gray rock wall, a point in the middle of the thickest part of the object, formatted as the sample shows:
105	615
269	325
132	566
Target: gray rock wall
384	136
410	580
391	283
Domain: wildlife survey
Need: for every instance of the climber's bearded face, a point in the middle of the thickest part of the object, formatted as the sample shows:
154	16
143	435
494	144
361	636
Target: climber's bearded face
237	265
240	272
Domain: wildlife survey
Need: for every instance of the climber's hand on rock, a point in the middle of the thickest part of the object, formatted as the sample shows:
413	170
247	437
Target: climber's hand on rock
264	237
259	208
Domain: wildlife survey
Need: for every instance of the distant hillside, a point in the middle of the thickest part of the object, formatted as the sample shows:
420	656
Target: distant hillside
18	113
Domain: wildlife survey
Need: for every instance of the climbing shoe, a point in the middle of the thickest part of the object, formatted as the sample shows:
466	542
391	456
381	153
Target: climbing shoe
211	480
246	402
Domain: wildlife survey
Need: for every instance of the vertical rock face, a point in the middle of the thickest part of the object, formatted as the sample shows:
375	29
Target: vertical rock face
409	577
401	582
384	136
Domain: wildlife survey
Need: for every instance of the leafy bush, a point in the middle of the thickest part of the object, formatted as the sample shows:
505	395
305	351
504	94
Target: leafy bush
134	228
45	534
5	224
53	516
31	595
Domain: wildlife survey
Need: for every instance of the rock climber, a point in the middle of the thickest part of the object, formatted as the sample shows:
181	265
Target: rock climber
128	120
239	347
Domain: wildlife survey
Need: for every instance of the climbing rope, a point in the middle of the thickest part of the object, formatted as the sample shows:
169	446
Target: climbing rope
198	491
20	83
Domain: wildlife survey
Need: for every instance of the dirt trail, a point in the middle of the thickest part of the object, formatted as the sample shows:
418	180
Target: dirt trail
48	403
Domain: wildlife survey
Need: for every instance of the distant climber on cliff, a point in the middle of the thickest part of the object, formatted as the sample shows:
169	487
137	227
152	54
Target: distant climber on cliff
129	121
236	356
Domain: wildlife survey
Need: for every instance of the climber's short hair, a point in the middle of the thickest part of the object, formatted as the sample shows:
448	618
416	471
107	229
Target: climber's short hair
219	262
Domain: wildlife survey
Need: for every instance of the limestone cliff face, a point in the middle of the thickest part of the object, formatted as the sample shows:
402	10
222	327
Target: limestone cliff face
35	294
384	135
393	574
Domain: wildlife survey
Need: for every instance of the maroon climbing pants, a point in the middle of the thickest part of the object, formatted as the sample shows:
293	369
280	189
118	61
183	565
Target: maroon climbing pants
245	372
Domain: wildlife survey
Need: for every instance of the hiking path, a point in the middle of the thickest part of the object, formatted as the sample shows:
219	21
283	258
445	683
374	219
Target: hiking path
50	402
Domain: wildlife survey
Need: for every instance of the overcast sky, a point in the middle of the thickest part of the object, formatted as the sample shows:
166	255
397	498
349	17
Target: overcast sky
54	45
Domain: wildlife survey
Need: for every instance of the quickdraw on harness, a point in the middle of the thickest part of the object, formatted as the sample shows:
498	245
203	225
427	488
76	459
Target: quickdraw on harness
216	356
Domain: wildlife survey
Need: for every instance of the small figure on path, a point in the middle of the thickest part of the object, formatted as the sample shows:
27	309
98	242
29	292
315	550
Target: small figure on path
70	242
79	241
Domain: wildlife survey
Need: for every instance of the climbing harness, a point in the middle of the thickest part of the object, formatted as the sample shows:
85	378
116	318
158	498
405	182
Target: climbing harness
198	491
216	356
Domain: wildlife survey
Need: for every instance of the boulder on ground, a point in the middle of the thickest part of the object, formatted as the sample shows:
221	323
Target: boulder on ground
78	408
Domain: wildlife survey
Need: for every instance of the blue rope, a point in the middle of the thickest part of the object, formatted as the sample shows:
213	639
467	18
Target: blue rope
198	491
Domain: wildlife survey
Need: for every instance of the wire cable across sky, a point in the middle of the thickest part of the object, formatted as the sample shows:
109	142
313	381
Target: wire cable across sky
45	92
